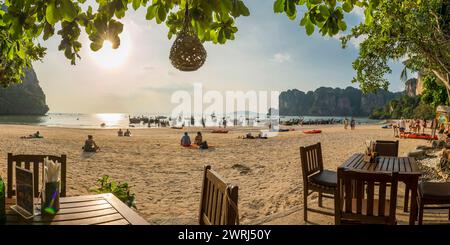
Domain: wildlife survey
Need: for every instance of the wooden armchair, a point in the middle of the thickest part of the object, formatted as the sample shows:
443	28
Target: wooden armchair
353	205
36	164
315	178
219	200
387	148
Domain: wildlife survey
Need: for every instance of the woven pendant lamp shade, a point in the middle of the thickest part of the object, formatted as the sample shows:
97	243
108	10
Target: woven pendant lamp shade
187	52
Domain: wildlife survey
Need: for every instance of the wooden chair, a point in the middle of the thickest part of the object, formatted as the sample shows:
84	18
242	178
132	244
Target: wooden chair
353	205
36	164
315	178
437	195
390	149
387	148
219	200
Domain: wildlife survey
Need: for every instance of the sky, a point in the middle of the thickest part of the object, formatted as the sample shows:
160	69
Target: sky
270	52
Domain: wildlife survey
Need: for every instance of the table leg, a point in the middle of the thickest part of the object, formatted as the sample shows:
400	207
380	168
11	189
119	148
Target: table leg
413	212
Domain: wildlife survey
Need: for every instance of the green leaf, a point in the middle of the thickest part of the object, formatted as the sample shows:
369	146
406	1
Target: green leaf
243	9
136	4
151	12
324	11
347	6
342	25
51	13
309	28
68	10
278	6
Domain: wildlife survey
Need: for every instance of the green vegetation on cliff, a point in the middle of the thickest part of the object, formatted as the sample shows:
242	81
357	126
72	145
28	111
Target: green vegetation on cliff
423	106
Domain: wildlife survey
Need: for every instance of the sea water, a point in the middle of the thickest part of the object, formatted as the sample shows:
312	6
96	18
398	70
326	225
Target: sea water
121	120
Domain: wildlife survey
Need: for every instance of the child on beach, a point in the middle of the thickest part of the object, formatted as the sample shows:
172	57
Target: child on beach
352	124
90	145
120	133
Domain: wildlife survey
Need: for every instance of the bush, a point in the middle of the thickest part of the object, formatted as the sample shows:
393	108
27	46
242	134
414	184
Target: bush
120	190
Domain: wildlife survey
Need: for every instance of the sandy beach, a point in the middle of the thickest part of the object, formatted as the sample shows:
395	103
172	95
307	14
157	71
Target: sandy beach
167	178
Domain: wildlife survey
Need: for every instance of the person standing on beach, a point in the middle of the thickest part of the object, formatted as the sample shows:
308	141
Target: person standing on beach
424	125
352	124
395	125
345	123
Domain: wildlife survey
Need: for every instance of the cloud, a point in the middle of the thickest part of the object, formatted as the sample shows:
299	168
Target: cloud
281	57
359	12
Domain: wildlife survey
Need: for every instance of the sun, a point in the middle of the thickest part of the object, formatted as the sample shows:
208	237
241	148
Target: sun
110	58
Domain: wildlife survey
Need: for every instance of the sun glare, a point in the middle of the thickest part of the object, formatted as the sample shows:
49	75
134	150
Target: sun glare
110	58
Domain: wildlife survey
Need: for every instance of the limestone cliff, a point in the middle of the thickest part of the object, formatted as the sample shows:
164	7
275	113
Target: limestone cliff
26	98
332	102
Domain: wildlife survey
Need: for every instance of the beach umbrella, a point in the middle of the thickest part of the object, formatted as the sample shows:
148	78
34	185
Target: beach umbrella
187	52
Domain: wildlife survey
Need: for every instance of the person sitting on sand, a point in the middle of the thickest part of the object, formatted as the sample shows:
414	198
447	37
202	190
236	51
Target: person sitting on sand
36	135
203	145
198	139
120	133
90	145
249	136
127	133
185	140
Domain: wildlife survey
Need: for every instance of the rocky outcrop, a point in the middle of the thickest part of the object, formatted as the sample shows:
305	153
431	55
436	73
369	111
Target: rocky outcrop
410	87
332	102
419	85
26	98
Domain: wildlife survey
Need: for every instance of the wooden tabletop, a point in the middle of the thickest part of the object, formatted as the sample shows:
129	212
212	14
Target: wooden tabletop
102	209
402	165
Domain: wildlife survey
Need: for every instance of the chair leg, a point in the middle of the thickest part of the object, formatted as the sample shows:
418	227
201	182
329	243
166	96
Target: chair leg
405	206
420	213
305	205
320	199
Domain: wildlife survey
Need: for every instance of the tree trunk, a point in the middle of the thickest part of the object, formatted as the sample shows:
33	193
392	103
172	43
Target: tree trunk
444	80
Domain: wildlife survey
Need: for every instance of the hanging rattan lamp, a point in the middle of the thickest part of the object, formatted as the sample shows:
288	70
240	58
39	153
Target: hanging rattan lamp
187	52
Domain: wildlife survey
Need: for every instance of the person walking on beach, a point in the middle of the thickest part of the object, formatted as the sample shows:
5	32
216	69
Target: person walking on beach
185	140
395	126
424	125
352	124
345	123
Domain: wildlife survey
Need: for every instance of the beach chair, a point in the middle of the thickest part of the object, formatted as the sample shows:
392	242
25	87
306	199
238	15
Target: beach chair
387	148
315	178
353	205
433	195
36	164
219	200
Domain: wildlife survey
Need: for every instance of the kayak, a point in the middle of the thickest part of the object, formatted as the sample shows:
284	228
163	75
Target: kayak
315	131
419	136
219	131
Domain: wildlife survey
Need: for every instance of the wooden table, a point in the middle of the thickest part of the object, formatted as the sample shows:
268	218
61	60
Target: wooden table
407	168
102	209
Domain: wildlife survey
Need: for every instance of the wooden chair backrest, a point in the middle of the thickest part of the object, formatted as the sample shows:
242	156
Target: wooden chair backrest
387	148
311	158
36	164
355	186
219	200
